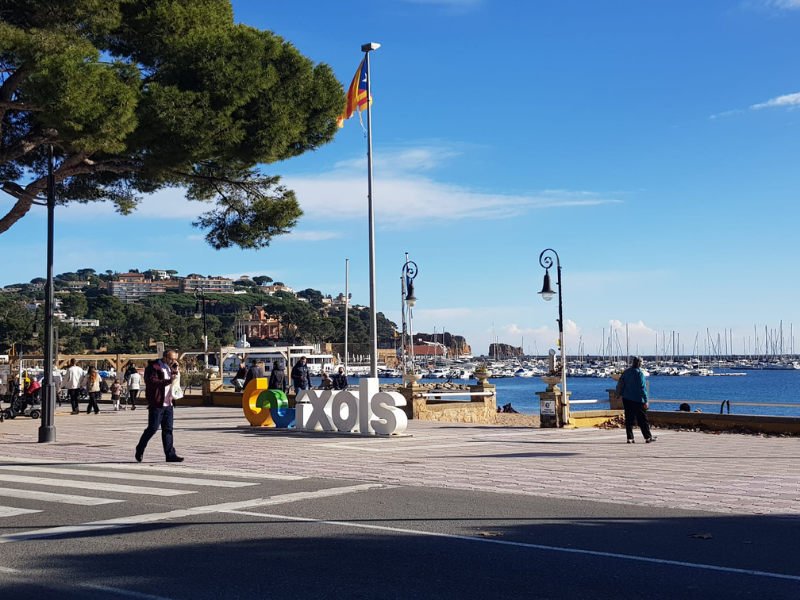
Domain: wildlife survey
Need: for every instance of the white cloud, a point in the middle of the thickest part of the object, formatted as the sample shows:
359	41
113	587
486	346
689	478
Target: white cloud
310	236
405	194
421	158
782	4
727	113
786	101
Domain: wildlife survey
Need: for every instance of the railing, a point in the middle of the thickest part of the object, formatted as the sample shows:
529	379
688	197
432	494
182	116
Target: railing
725	403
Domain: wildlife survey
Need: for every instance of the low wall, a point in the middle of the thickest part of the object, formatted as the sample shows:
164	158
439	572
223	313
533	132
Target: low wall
707	421
590	418
763	424
482	411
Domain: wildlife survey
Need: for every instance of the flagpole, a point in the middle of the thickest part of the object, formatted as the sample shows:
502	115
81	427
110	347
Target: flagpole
346	308
373	300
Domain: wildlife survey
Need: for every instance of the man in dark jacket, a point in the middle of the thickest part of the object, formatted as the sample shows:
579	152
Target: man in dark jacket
158	378
340	380
254	372
301	376
277	379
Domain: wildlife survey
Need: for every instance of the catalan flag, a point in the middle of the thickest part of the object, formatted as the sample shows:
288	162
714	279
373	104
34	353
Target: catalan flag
356	94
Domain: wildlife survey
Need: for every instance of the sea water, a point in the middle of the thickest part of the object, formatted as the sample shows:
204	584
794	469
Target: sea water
779	387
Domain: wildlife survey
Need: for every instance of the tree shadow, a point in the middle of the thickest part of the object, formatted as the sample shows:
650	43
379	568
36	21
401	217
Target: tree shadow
552	556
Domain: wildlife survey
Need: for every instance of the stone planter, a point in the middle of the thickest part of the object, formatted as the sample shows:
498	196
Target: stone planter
412	378
616	376
551	381
482	376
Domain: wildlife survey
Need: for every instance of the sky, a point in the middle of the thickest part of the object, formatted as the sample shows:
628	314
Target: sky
654	145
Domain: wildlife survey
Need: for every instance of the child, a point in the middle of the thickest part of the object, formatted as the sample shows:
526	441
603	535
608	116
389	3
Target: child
116	389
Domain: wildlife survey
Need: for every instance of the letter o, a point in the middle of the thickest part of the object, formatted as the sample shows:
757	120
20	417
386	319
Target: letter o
344	399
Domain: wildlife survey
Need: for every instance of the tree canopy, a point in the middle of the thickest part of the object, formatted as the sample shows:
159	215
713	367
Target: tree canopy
141	95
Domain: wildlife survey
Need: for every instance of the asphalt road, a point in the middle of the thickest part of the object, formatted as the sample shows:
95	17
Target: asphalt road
174	533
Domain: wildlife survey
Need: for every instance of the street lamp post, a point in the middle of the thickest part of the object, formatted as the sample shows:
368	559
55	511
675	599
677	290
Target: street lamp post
409	300
47	430
547	294
198	313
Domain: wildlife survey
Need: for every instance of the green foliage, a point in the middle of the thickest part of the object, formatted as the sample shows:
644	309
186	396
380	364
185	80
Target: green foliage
314	297
75	305
140	95
262	279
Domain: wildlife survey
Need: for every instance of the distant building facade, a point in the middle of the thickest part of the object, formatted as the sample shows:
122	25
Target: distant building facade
276	287
132	287
258	325
208	285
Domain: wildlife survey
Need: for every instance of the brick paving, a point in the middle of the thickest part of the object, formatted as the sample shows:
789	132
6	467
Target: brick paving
720	473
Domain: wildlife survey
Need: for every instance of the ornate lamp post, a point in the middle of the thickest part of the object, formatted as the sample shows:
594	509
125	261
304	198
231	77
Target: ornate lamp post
408	300
200	311
547	294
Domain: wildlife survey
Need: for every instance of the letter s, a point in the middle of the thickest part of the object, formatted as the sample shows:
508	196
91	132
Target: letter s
390	420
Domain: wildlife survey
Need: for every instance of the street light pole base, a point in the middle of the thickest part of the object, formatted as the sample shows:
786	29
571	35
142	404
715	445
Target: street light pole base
47	434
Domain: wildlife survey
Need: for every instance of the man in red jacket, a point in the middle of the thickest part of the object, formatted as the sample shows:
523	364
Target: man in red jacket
158	376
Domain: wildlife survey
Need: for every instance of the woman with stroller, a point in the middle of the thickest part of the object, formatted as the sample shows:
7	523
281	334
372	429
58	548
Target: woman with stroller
91	381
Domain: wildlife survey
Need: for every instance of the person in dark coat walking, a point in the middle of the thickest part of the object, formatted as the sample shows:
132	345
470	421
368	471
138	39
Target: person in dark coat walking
277	379
301	376
159	376
633	390
255	371
340	380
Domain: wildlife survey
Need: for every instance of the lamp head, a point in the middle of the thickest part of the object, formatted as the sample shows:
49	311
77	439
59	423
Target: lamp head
35	333
547	292
369	47
197	311
411	299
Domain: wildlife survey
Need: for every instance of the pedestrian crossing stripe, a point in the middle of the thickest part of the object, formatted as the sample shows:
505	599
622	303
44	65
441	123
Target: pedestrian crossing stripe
93	485
127	476
11	511
59	498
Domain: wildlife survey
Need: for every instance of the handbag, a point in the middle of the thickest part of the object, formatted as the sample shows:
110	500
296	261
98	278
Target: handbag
177	392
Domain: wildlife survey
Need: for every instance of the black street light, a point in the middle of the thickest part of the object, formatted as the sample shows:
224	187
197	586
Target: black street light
408	301
47	430
200	311
547	294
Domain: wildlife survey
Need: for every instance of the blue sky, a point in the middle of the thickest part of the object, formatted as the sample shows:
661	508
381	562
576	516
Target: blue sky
653	144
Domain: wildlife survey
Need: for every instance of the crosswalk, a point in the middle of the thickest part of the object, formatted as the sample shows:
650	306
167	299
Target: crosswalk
29	486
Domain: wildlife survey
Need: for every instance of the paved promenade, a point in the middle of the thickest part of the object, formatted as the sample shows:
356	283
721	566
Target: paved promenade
718	473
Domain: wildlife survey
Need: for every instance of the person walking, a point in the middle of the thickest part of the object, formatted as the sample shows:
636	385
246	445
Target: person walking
301	376
340	380
633	390
134	381
116	391
277	378
73	384
159	377
91	381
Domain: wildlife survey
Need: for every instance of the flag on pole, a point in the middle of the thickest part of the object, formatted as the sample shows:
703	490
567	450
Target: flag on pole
356	94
